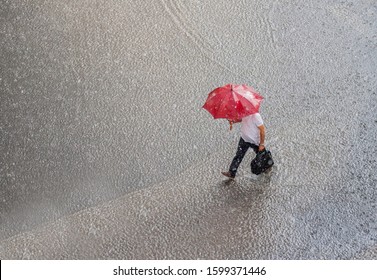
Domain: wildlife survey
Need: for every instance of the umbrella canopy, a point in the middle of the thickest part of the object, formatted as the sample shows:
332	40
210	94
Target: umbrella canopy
233	102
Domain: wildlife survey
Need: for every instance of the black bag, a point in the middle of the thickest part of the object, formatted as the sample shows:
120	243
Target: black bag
261	162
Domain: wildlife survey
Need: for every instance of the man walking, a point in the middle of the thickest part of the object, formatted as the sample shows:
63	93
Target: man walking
252	136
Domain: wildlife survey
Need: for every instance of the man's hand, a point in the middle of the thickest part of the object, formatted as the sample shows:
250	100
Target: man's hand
230	124
261	148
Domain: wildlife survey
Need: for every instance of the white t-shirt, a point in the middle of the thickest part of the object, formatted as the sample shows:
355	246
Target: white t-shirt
249	128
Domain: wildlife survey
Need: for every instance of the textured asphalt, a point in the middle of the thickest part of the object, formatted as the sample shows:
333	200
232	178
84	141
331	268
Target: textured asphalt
106	153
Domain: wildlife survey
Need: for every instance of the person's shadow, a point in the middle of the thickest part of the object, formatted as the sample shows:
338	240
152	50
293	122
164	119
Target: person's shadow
234	214
246	191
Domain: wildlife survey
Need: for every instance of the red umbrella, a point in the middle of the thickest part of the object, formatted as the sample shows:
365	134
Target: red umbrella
233	102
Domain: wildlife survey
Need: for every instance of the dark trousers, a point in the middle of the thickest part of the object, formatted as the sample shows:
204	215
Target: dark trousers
242	148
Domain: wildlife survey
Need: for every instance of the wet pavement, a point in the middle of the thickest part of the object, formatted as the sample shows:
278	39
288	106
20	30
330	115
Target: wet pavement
106	153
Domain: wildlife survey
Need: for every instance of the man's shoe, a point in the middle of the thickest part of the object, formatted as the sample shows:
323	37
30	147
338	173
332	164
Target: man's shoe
227	174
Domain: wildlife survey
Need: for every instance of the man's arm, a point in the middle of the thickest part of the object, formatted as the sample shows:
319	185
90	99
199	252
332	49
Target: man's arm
262	133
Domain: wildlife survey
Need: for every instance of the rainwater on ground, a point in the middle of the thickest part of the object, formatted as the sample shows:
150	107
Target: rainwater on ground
105	151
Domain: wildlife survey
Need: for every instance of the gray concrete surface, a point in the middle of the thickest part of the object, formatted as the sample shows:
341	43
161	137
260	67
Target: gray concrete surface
105	151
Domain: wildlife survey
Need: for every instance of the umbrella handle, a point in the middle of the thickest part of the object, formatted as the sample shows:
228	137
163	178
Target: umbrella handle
230	125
